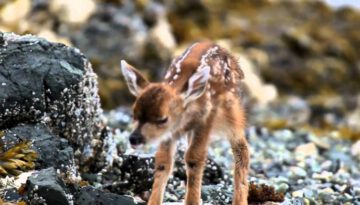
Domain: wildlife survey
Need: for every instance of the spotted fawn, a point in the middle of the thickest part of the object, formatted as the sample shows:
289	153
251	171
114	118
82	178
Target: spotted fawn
198	98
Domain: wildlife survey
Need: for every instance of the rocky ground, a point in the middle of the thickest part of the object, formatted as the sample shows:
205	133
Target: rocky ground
308	168
57	145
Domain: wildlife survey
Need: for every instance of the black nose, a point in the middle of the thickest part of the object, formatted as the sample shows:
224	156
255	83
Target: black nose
136	139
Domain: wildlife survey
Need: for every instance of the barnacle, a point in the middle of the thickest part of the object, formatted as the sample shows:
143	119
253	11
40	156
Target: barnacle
17	159
263	193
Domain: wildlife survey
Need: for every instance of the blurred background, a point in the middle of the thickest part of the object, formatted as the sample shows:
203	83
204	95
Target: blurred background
300	58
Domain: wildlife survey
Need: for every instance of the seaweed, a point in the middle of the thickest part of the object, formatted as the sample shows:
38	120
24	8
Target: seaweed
263	193
18	158
2	202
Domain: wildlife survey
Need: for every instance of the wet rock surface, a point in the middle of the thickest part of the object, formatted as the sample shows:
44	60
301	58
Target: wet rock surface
43	82
92	196
45	187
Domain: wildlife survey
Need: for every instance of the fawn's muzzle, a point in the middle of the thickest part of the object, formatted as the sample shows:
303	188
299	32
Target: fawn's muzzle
137	139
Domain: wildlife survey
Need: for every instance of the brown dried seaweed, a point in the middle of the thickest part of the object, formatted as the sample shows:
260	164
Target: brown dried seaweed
263	193
17	159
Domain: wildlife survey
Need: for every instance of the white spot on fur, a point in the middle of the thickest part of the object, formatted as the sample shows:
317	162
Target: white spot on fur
229	61
167	74
204	58
182	58
176	76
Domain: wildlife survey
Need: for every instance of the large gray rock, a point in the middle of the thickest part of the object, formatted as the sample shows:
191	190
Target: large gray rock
92	196
45	187
52	84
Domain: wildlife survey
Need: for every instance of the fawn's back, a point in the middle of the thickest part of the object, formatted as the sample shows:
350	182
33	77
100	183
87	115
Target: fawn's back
225	72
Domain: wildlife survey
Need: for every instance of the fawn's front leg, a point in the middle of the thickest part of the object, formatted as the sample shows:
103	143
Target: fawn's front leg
195	158
240	150
164	160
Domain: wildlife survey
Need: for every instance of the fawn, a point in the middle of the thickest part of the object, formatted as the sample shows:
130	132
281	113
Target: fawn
198	97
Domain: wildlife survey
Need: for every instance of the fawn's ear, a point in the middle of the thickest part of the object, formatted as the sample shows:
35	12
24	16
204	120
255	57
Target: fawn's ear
134	80
196	85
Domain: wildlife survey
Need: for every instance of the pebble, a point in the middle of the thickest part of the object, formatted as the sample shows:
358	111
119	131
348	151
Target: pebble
283	187
298	193
306	150
327	195
325	175
355	150
297	172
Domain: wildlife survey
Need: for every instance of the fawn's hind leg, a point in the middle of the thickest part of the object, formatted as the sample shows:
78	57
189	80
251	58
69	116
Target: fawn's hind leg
239	145
195	159
241	156
164	160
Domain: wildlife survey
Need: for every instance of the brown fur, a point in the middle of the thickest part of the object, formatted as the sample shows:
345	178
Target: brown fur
217	110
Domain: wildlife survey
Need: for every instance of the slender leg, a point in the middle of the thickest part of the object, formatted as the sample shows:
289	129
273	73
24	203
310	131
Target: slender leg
164	160
195	158
241	156
236	123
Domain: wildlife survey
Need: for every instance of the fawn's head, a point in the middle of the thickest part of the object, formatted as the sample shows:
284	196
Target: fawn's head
159	106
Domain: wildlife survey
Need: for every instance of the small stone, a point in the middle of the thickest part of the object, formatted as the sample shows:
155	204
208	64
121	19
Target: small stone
283	187
313	164
12	13
73	11
341	188
298	193
320	142
307	201
356	190
284	135
355	149
297	172
326	165
327	195
308	193
325	176
306	150
280	179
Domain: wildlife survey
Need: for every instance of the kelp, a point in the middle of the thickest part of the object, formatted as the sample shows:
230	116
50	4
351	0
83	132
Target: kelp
2	202
17	159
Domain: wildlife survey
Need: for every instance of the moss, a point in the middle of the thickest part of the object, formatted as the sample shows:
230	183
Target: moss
263	193
17	159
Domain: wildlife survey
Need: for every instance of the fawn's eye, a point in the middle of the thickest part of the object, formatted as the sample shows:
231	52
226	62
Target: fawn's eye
161	121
